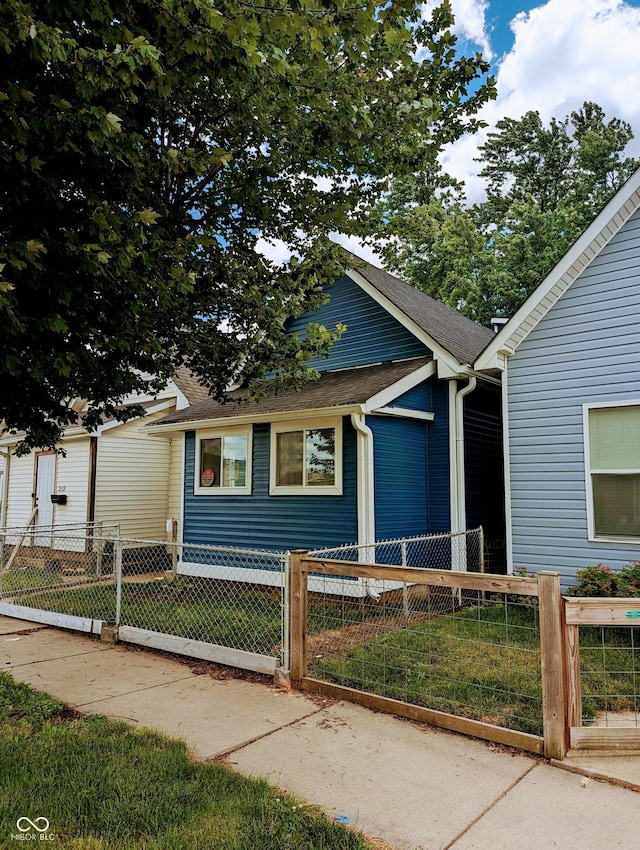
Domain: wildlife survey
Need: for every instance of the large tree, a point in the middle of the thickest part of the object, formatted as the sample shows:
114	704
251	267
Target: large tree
147	146
544	185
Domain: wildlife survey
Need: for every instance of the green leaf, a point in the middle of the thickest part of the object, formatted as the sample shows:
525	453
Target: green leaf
149	216
114	122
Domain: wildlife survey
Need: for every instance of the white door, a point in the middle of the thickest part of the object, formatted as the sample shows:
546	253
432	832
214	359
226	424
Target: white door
45	475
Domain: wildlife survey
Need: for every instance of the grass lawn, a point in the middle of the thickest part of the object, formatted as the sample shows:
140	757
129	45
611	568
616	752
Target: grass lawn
481	662
105	786
484	663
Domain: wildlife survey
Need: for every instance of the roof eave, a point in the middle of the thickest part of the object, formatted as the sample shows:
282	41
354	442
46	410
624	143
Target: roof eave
599	233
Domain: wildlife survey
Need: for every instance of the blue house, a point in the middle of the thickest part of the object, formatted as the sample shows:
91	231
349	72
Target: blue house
398	437
570	366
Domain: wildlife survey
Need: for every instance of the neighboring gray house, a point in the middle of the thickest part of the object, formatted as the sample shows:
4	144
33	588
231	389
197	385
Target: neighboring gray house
570	366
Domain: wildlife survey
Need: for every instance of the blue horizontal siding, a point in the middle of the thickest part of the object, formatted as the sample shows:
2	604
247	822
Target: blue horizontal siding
400	464
418	398
484	468
372	335
438	508
272	522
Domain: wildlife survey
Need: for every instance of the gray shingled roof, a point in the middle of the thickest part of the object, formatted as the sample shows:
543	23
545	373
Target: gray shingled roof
189	386
333	389
460	336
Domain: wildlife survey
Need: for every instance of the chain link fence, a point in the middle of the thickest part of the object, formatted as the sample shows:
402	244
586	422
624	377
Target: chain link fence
232	598
179	597
67	569
459	551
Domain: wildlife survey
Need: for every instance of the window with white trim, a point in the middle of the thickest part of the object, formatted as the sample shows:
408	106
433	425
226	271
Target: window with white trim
613	472
223	462
306	458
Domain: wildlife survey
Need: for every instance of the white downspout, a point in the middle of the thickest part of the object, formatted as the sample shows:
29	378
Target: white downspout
457	471
365	492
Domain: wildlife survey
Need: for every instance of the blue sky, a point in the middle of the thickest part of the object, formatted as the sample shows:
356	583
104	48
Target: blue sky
550	56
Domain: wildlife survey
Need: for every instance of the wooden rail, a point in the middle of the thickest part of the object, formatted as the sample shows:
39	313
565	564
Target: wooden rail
553	655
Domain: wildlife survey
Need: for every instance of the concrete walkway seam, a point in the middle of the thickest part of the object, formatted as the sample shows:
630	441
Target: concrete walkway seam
488	808
219	757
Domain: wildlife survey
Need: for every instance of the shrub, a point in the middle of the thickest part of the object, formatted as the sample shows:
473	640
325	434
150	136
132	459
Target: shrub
596	580
600	580
629	580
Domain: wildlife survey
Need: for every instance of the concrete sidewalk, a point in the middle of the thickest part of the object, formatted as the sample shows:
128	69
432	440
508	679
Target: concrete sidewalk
414	787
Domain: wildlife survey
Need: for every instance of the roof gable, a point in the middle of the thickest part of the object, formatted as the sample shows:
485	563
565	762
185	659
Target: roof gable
446	332
586	248
372	334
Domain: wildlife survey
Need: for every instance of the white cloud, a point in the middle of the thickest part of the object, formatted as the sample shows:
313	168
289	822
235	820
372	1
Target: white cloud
357	247
278	252
470	22
565	52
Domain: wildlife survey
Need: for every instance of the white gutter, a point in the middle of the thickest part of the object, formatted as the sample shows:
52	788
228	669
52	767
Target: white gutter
461	490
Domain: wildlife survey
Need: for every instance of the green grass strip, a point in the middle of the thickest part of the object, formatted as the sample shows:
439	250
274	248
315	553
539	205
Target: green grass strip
105	786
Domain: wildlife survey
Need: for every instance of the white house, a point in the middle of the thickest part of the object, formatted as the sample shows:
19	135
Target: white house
116	474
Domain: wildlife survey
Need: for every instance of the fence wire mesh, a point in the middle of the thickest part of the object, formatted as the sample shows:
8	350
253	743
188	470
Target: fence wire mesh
228	597
460	651
463	551
610	676
62	569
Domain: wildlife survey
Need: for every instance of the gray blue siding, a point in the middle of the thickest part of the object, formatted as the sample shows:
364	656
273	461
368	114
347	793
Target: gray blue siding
372	335
272	522
585	350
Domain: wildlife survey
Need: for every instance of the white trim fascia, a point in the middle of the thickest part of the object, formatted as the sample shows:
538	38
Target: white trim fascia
599	233
224	421
388	394
507	473
160	405
402	412
439	353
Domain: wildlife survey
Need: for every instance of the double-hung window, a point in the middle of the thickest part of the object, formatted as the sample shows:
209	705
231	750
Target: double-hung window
613	471
223	462
306	458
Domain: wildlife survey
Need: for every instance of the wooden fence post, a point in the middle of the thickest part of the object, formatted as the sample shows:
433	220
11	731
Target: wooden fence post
298	609
552	651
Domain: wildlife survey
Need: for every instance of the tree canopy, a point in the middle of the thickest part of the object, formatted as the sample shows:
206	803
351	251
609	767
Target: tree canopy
147	146
544	185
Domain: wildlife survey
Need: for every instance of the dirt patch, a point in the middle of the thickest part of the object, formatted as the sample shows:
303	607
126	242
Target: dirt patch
67	715
334	642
